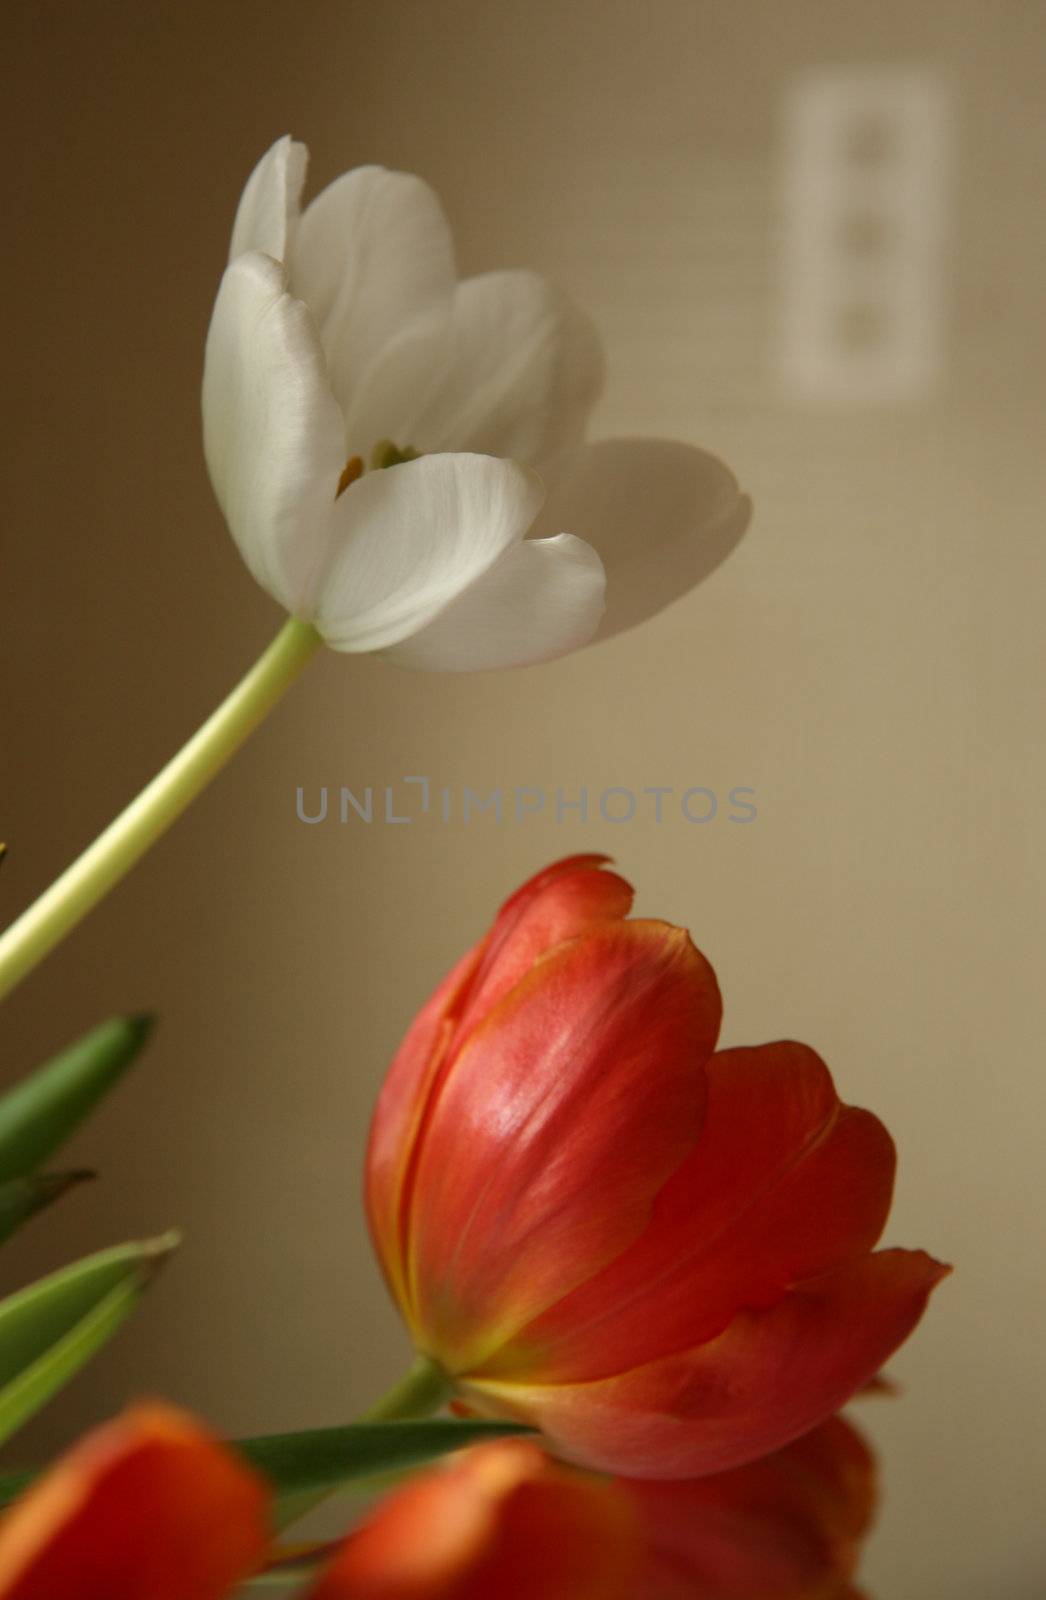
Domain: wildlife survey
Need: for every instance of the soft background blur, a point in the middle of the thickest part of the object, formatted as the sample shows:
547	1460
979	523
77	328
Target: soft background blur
869	661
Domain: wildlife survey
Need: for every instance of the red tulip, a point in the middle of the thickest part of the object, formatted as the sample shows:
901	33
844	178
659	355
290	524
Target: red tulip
149	1507
659	1254
497	1520
504	1520
788	1527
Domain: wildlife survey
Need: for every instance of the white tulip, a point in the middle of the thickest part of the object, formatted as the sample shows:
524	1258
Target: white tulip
397	455
341	339
342	331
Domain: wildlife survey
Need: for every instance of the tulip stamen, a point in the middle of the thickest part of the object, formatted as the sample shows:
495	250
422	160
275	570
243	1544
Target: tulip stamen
385	454
388	454
352	470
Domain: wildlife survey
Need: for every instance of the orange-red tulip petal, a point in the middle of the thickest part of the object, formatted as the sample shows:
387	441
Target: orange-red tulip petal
783	1183
555	905
604	1037
149	1507
500	1520
770	1376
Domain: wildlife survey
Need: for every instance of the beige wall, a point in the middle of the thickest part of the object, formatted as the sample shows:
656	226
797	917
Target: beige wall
870	662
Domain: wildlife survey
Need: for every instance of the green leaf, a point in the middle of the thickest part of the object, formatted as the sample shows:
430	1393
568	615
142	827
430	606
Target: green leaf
51	1329
12	1484
22	1198
41	1112
317	1463
306	1467
305	1563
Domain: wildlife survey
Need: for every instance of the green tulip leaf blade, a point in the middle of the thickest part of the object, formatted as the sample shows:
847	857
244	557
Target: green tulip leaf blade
22	1198
304	1467
39	1114
305	1563
311	1465
49	1330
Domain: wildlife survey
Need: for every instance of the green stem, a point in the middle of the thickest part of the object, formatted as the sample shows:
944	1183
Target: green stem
115	851
418	1394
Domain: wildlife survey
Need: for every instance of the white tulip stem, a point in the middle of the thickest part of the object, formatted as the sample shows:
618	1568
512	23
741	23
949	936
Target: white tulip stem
58	910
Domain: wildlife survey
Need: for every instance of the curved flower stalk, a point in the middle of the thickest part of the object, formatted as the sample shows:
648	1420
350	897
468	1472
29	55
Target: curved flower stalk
400	459
659	1254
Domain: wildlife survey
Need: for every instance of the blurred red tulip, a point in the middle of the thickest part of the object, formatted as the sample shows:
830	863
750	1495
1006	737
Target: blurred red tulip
149	1507
505	1520
788	1527
659	1254
497	1520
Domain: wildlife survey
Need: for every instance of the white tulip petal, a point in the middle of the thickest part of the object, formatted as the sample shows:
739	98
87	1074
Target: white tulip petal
374	257
386	398
543	599
662	515
409	539
524	369
273	433
268	211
